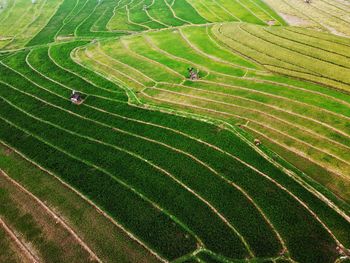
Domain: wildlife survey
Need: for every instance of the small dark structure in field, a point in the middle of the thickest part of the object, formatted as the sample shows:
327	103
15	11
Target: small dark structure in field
76	97
257	142
193	74
307	1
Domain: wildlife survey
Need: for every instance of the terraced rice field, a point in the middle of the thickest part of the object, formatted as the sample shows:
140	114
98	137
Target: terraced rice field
155	167
332	16
307	120
20	20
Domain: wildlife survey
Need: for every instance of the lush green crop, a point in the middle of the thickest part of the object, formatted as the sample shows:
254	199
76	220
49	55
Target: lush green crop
21	20
172	161
289	112
180	143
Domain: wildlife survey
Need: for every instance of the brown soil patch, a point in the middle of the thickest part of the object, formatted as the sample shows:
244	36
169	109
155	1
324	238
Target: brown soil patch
8	152
294	20
2	38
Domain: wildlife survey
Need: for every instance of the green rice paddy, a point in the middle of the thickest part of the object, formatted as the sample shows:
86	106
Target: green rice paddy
173	162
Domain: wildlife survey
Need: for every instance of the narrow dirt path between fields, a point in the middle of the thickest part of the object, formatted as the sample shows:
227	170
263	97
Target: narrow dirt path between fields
24	248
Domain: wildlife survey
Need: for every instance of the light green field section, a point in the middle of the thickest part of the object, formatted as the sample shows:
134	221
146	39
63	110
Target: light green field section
256	11
302	119
146	15
21	20
327	15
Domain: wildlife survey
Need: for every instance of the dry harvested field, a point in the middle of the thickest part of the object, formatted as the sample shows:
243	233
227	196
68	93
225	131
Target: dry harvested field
175	131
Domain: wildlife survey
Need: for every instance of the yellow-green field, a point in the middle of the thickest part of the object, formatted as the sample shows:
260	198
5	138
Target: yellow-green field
327	15
249	161
21	20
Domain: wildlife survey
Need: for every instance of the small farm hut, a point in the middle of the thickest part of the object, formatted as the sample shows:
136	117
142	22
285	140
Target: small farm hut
193	74
76	97
257	142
